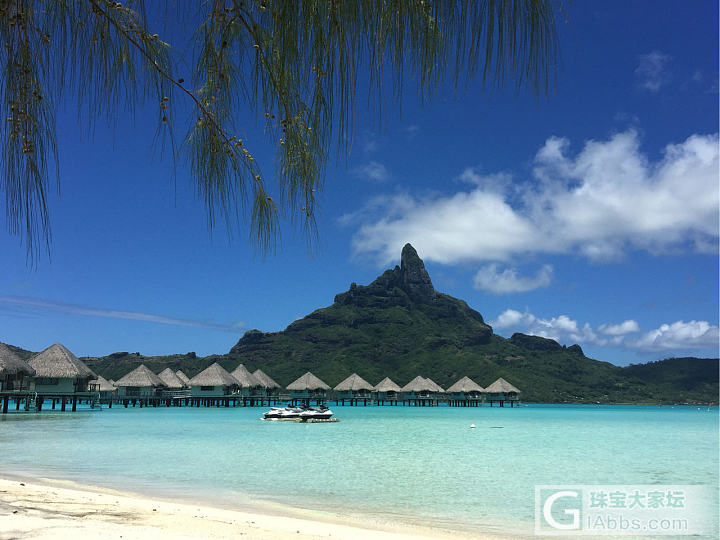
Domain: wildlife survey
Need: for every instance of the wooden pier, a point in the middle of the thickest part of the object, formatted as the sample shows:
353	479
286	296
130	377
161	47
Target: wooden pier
30	400
27	400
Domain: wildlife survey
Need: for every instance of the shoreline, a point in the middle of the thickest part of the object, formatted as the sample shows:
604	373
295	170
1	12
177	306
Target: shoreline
47	508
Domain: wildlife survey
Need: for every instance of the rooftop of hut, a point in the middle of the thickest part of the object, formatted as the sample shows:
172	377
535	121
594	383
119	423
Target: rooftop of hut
104	385
308	382
387	385
58	362
435	386
184	378
245	378
354	383
141	377
466	384
265	379
170	379
12	364
214	375
419	384
501	386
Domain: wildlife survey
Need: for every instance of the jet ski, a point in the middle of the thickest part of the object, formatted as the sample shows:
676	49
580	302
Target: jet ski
283	412
321	413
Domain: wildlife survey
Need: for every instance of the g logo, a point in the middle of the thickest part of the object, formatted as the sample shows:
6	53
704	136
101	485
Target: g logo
550	520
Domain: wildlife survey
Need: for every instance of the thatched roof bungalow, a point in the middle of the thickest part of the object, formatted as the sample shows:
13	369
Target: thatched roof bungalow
248	384
171	380
387	390
465	389
15	373
140	382
58	371
184	378
419	387
269	385
308	387
106	389
353	387
435	386
213	381
501	390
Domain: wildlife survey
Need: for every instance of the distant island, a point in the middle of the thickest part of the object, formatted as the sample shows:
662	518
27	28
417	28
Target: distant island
399	326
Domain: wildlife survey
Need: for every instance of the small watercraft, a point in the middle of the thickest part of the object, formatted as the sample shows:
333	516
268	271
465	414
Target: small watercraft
321	413
283	412
291	412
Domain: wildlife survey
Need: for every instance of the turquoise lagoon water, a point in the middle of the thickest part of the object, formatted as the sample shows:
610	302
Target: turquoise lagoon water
406	464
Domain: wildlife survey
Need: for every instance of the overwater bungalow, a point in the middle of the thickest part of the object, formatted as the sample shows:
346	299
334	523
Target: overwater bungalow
271	389
355	389
249	386
15	376
213	382
58	371
15	373
435	386
465	392
107	390
59	374
387	390
420	391
171	380
501	391
140	383
308	388
184	378
175	388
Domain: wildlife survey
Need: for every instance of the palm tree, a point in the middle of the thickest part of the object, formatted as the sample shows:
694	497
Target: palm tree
294	63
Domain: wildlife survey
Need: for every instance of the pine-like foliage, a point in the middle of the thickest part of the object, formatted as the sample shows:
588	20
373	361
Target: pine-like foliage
296	63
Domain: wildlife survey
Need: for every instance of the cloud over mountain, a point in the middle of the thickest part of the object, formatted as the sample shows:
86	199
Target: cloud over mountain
674	338
490	279
604	202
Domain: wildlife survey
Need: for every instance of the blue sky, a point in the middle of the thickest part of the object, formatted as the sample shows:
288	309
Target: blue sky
589	215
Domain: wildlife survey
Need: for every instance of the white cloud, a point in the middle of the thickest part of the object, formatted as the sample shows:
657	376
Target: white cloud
513	319
372	170
651	72
676	338
626	327
490	279
679	336
603	202
496	182
562	328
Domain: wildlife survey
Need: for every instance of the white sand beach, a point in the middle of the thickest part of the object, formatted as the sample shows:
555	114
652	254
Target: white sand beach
50	509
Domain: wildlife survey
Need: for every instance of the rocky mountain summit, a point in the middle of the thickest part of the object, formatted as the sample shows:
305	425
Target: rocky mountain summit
400	286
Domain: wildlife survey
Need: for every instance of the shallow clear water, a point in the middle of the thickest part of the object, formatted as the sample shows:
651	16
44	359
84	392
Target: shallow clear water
422	465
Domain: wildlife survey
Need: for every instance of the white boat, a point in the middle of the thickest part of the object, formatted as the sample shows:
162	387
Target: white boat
283	412
321	413
291	412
